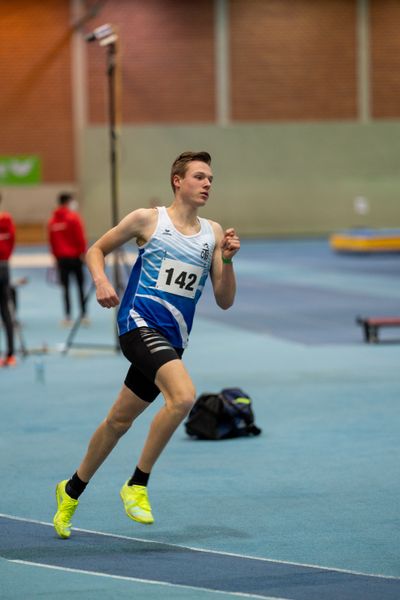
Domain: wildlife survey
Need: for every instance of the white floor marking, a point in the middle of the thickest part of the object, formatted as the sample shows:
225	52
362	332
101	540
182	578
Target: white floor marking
145	581
219	552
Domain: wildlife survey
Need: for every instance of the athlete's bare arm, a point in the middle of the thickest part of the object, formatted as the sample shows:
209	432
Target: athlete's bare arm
222	274
139	225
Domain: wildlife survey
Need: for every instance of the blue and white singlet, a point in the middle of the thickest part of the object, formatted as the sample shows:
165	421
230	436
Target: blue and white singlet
167	280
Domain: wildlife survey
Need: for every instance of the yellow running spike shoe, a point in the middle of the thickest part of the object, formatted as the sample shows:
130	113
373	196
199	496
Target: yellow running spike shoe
136	503
66	508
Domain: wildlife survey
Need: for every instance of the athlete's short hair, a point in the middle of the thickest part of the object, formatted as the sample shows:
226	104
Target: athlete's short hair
180	164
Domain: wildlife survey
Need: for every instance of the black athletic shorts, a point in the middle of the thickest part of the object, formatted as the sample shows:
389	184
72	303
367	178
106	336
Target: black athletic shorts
147	350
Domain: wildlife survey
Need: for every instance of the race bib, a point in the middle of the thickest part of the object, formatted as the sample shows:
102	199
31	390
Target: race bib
177	277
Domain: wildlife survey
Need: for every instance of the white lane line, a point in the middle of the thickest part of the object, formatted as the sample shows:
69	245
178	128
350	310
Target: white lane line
218	552
145	581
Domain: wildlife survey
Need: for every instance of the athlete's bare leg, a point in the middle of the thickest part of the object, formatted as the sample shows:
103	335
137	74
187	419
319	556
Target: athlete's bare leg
179	394
124	411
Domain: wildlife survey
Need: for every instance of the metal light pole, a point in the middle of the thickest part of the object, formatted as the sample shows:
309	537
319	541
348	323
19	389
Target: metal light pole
107	37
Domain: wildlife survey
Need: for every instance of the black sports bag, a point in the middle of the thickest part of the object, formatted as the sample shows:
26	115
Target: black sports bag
228	414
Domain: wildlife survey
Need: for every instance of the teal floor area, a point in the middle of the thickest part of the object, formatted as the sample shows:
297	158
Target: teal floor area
320	486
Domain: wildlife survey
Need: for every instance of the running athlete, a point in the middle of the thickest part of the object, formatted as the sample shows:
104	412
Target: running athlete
177	250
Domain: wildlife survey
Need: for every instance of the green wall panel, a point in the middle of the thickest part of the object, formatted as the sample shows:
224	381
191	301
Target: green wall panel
270	179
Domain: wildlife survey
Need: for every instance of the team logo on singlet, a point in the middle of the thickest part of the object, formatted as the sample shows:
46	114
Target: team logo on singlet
205	253
166	232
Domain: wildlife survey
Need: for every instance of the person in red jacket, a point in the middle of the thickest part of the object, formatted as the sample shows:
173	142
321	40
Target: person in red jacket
67	240
7	242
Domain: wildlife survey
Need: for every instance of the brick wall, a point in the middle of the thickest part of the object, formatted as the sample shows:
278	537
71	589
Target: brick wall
35	100
293	60
290	60
167	61
385	58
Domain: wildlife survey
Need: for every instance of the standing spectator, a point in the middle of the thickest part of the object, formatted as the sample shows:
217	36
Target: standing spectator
7	241
68	244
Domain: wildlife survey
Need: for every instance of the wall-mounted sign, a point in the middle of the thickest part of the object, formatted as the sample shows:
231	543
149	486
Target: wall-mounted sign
20	170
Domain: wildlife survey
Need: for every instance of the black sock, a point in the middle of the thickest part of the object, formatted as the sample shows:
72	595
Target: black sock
139	478
75	487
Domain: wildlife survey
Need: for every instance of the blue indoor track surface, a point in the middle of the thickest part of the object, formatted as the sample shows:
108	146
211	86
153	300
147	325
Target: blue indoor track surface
309	510
132	558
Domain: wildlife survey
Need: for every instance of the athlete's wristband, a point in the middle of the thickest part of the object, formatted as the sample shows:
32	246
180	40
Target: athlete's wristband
227	261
